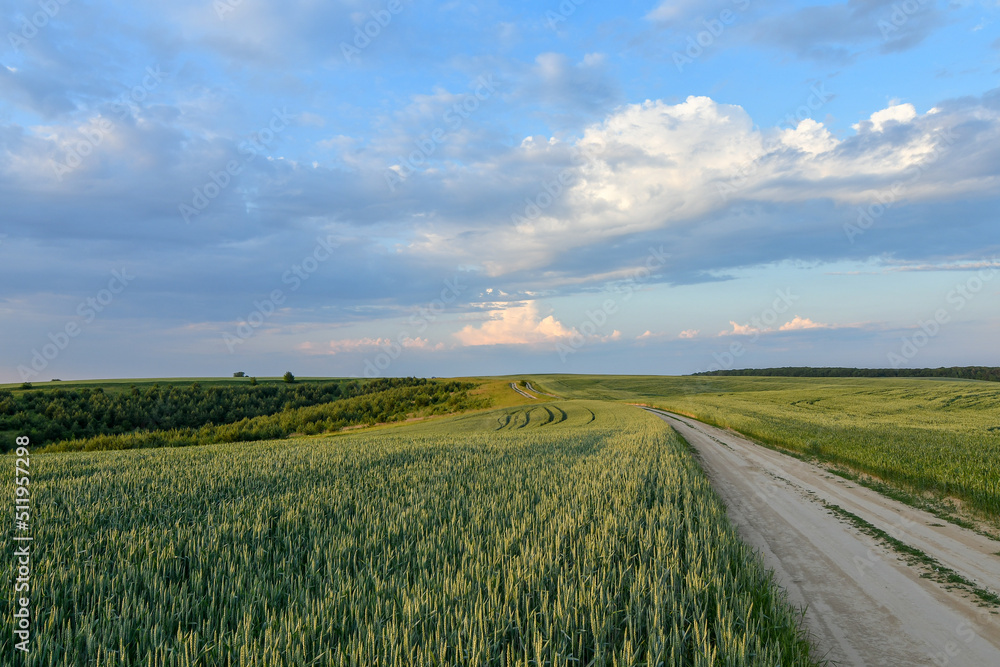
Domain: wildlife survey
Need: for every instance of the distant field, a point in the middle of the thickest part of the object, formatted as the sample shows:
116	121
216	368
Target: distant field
926	436
564	533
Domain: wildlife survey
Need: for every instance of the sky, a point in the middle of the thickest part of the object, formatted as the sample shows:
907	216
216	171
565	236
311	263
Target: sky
406	187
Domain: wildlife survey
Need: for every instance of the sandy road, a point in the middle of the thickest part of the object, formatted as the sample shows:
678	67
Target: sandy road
864	604
513	385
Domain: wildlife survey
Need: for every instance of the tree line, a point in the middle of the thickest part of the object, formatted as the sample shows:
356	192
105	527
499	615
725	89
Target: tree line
53	416
379	407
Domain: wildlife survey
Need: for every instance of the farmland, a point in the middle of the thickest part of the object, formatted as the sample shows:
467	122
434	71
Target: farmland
563	533
939	438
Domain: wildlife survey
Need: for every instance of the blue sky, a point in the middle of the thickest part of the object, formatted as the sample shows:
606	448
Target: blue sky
401	187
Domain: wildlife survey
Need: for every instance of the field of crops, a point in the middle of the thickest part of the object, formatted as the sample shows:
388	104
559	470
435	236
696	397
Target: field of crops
570	533
926	436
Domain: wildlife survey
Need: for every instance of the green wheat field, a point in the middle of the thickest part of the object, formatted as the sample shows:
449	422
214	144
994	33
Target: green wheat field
567	531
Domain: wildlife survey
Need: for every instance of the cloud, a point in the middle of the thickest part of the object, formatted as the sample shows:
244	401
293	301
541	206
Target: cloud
366	344
515	325
797	323
842	31
896	113
802	323
649	335
741	330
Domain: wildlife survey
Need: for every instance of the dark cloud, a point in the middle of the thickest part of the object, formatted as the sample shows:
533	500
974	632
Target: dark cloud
840	32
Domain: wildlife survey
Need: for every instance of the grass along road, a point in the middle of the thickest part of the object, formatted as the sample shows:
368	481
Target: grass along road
865	604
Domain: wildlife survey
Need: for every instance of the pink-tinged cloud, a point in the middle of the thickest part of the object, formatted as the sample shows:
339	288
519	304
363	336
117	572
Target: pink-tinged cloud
802	323
515	325
741	330
689	333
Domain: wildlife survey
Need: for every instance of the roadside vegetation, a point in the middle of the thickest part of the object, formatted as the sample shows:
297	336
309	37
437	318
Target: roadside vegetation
933	439
564	534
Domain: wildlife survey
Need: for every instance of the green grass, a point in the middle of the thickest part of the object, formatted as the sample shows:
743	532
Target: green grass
564	533
927	437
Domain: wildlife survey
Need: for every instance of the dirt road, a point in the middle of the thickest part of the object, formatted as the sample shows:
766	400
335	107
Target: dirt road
513	385
864	604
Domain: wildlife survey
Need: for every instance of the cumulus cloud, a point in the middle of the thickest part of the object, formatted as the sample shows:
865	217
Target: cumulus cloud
689	333
515	325
802	323
682	169
895	113
741	330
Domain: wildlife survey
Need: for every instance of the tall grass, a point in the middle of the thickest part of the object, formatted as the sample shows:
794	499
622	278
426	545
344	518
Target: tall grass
588	538
926	436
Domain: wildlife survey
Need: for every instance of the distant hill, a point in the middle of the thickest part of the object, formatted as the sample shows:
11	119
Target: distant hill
987	373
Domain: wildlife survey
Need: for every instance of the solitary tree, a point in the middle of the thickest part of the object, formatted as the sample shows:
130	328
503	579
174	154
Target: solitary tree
239	374
289	377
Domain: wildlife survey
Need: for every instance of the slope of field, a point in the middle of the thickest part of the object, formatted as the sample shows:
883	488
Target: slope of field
162	416
939	437
565	533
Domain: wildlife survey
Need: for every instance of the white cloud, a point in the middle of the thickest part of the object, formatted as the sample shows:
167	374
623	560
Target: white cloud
896	113
515	325
689	333
802	323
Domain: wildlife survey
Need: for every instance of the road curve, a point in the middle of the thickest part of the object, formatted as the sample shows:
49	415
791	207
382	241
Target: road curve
513	385
864	605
